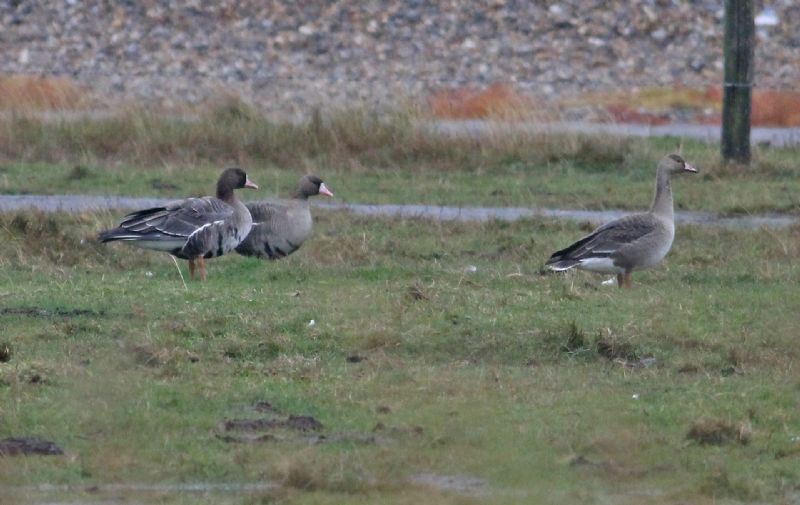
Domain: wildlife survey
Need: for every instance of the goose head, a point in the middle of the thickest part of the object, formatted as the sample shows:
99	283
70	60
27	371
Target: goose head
674	164
230	179
311	185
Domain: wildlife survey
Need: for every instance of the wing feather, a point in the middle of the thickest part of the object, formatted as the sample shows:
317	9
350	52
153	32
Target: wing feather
606	241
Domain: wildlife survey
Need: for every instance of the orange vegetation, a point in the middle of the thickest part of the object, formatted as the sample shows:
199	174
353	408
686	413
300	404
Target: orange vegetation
770	107
25	92
496	101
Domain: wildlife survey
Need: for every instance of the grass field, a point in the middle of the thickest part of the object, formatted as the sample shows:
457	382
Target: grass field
416	364
443	364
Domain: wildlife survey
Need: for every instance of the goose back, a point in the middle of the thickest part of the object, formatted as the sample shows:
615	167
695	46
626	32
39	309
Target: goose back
193	227
279	228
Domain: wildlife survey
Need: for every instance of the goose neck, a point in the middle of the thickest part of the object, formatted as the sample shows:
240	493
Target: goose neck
662	200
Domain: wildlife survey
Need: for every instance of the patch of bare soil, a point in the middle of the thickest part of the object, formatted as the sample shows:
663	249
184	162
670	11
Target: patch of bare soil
275	427
28	446
298	423
38	312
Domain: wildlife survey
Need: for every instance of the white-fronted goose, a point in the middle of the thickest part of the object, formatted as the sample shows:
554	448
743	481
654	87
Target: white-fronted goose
281	227
192	229
633	242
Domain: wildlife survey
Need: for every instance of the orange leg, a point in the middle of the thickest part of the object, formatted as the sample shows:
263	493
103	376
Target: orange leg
202	264
191	269
624	280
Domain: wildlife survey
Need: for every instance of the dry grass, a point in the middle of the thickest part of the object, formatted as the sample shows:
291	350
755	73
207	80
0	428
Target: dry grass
708	431
25	93
498	101
652	105
233	131
771	107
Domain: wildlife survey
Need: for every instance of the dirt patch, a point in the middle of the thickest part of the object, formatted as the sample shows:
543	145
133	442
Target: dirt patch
706	431
247	438
297	423
398	430
28	446
349	438
304	429
39	312
689	368
263	406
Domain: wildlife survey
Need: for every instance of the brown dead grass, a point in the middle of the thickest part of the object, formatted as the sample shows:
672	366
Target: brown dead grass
651	105
498	101
38	93
235	130
771	107
714	431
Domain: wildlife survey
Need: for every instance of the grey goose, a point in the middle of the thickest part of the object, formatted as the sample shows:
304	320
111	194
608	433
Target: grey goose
633	242
280	227
194	228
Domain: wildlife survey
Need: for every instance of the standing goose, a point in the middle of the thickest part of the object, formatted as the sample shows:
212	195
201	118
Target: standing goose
632	242
281	227
192	229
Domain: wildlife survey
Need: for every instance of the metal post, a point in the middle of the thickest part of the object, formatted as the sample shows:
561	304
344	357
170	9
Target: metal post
737	88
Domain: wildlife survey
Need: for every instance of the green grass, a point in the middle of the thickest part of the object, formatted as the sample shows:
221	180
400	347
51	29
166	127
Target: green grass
493	373
377	159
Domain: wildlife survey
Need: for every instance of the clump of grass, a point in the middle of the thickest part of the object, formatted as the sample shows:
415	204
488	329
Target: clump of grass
307	472
79	172
614	348
572	341
722	483
716	431
28	372
50	239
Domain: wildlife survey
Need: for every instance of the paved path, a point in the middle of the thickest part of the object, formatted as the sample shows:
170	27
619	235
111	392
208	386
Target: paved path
775	137
772	136
83	203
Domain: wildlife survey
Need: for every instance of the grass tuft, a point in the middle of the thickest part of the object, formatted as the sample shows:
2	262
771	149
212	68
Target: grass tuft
714	431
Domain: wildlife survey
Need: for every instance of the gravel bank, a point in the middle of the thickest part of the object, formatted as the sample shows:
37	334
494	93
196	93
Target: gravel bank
288	56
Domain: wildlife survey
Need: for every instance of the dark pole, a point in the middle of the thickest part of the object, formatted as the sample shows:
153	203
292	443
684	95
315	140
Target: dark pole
739	43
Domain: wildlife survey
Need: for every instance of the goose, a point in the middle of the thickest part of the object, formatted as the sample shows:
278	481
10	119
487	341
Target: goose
194	228
281	227
633	242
